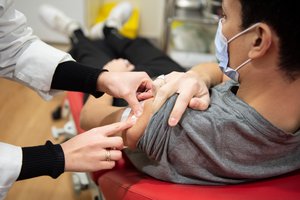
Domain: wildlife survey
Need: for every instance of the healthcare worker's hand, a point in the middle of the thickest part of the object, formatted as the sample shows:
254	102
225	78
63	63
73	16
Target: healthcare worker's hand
127	85
192	90
95	149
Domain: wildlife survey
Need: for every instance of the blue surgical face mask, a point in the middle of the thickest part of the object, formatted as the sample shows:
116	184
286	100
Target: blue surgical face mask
222	52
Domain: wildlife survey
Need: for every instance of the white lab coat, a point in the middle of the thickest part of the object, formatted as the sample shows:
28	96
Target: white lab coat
25	59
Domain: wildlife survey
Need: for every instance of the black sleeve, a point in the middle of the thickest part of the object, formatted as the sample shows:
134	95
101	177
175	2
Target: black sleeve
73	76
42	160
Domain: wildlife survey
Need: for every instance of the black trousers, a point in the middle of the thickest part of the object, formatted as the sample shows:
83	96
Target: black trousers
140	52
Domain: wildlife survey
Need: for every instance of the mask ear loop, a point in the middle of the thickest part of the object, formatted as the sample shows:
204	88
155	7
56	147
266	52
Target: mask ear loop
244	31
236	36
243	64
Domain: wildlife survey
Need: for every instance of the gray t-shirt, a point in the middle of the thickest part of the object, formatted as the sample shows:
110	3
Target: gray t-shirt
227	144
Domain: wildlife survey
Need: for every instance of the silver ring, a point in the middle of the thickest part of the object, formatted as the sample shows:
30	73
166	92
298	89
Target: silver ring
107	155
162	77
160	80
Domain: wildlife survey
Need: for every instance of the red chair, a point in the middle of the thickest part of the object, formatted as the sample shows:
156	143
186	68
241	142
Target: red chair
129	184
126	183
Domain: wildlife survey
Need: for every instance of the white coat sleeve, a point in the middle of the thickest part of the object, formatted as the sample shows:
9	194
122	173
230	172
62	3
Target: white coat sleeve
24	57
10	166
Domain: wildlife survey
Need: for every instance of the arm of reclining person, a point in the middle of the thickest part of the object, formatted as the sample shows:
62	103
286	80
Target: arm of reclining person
97	113
210	73
95	110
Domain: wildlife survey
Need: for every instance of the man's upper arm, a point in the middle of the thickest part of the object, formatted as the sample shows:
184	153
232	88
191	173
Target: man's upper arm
133	134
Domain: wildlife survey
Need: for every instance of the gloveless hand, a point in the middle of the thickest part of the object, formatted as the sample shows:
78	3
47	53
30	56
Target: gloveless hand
126	85
96	149
192	91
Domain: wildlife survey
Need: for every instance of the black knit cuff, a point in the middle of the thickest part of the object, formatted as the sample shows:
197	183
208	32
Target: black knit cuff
42	160
72	76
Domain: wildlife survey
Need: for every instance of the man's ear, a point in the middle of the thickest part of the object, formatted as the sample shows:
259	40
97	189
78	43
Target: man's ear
261	41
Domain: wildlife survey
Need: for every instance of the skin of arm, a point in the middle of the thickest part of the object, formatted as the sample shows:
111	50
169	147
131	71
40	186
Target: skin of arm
210	73
95	111
94	114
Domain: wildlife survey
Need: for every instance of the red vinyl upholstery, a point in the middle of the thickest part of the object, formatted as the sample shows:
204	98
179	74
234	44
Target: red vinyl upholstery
129	184
75	100
126	183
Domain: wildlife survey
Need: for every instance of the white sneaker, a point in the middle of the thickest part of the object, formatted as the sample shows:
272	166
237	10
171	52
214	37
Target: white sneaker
116	19
96	32
57	20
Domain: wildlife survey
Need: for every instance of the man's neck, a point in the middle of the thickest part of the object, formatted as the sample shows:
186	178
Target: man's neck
275	98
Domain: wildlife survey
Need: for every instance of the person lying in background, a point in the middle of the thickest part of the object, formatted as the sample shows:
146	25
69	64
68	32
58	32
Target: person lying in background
241	136
92	49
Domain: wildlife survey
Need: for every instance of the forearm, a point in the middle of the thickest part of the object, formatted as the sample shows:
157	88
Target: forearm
73	76
209	73
99	112
42	160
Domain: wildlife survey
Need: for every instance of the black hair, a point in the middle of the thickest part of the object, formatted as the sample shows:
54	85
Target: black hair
283	17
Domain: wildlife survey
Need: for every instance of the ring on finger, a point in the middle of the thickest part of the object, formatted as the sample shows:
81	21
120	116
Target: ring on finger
161	77
160	81
107	155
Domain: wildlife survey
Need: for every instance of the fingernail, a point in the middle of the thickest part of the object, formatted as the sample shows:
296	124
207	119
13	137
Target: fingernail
133	119
172	121
138	113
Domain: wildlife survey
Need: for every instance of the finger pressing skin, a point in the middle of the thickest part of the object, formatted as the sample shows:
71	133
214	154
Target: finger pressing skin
113	128
180	106
134	104
200	103
112	142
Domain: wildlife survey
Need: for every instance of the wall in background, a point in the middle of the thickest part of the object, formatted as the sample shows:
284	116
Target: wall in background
85	11
73	8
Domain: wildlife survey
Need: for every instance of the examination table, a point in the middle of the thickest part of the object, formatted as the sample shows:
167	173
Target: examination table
125	182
